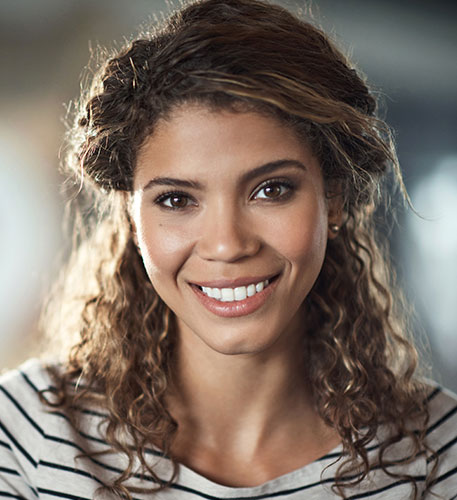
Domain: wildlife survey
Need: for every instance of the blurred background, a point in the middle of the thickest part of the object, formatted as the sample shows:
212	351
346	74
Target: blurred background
407	49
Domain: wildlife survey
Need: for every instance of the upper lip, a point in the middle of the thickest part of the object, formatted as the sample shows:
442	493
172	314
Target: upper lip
234	282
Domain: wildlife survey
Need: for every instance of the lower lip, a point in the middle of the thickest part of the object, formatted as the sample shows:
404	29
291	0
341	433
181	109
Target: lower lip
238	307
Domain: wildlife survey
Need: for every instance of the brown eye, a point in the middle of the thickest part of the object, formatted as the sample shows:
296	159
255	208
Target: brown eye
174	201
273	191
178	201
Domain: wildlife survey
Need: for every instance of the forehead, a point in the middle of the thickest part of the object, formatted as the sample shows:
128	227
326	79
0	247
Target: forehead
197	141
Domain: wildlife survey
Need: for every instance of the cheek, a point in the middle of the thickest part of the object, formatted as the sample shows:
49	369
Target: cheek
164	248
301	237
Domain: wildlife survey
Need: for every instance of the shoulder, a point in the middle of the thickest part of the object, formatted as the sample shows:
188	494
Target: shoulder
20	389
442	438
25	411
20	403
22	423
442	405
32	373
22	413
41	451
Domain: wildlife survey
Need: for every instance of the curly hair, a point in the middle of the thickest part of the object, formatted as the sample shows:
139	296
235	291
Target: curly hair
237	55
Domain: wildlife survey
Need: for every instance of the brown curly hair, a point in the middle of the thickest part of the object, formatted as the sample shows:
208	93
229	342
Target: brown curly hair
238	55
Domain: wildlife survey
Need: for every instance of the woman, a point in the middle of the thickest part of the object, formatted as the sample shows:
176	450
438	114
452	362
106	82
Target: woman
233	325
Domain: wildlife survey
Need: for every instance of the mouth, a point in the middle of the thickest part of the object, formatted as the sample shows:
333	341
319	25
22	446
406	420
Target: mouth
238	299
236	293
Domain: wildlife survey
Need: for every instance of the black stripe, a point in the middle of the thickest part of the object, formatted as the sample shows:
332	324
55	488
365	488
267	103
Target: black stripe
21	410
5	445
33	386
148	451
440	421
73	470
385	488
53	388
253	497
185	488
368	449
82	434
9	471
92	413
191	490
295	490
444	476
265	495
17	445
61	495
14	472
335	454
6	494
60	414
35	425
338	454
433	394
51	438
40	430
444	448
100	464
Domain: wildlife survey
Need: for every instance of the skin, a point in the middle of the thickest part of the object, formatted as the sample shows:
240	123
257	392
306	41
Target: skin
249	398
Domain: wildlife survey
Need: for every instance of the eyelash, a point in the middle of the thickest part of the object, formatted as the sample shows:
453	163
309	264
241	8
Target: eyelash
288	184
284	183
160	200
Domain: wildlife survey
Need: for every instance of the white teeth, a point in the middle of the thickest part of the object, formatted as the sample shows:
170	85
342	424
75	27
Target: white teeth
240	293
227	295
233	294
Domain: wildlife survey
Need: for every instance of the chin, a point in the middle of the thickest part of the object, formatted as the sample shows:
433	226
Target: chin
237	344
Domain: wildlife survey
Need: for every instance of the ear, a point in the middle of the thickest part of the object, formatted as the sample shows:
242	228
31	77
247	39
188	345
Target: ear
335	209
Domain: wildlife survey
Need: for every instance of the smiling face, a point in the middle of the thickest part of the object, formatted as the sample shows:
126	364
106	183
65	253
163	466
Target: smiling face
232	224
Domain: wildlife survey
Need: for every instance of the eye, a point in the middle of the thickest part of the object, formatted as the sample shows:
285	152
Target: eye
174	201
273	190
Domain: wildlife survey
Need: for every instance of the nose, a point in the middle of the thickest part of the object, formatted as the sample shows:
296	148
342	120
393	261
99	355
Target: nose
226	234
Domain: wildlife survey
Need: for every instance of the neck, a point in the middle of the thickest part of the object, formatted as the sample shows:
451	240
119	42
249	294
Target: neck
244	419
228	399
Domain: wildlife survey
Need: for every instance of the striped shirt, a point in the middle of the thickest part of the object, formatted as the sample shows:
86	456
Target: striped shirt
40	456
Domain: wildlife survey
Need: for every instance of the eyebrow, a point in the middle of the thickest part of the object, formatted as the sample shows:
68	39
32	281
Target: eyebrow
267	168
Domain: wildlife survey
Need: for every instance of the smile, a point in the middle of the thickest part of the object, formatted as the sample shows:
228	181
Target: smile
235	294
239	300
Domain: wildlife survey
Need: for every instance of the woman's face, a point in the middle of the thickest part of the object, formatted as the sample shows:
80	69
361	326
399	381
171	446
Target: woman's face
232	224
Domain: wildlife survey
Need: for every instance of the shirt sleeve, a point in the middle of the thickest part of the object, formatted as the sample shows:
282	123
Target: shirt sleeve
442	436
18	441
14	482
